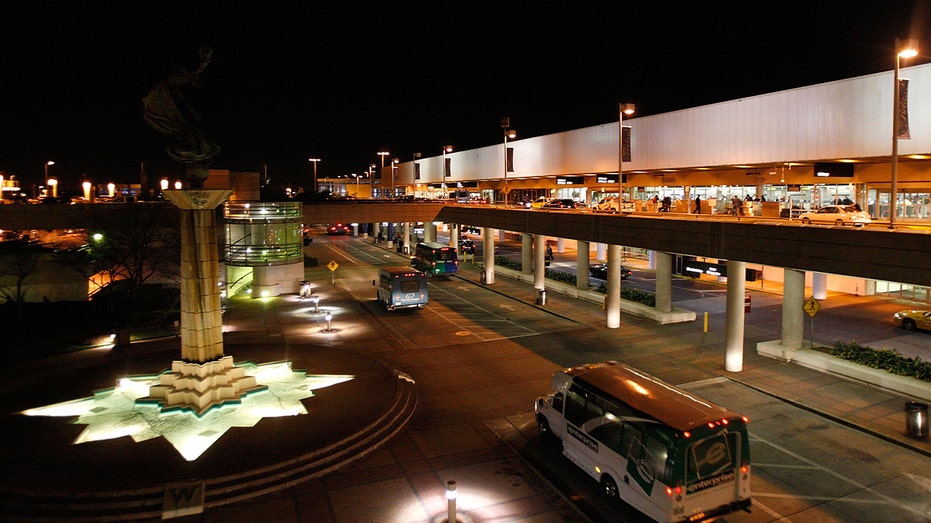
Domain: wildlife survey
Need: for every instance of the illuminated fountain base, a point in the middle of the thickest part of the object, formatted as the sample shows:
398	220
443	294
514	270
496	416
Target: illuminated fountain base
200	386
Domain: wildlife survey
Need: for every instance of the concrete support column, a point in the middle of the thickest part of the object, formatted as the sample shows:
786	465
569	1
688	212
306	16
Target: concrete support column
560	245
613	298
526	253
600	250
407	238
819	285
581	262
390	234
454	235
539	265
652	260
488	254
429	231
793	316
501	235
355	229
663	262
734	322
376	228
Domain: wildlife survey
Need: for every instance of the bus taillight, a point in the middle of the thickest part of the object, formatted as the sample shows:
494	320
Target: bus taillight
677	490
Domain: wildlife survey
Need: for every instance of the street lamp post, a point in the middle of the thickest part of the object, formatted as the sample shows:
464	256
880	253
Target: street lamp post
907	49
622	110
371	181
50	162
315	161
394	175
380	172
508	133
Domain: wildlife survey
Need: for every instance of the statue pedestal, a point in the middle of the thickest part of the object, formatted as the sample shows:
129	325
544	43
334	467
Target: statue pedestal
200	386
204	377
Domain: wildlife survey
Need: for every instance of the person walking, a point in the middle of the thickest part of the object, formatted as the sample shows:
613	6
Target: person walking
697	205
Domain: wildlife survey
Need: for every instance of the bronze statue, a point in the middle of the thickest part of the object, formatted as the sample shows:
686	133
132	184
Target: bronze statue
168	111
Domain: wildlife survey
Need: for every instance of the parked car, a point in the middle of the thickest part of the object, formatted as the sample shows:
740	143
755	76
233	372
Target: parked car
600	271
837	215
913	319
468	246
610	204
540	202
557	203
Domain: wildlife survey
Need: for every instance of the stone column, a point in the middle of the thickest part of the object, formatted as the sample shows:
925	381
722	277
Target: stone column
488	254
793	313
663	280
734	323
526	253
201	315
613	296
539	264
582	262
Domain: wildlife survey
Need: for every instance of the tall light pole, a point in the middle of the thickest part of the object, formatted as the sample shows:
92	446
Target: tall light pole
508	133
371	181
315	161
382	154
622	110
50	162
394	175
907	49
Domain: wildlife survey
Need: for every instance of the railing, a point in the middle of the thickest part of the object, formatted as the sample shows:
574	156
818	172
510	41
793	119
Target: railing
257	256
242	210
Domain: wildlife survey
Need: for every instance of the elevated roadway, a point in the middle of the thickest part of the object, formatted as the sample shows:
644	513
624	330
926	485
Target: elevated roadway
900	255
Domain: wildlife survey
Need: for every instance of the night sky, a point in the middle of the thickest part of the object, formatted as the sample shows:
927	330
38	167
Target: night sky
341	83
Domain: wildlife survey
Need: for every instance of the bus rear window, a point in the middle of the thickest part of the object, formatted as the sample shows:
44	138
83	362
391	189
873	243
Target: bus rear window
711	456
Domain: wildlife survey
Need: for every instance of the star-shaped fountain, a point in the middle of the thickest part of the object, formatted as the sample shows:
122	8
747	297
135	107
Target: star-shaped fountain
129	410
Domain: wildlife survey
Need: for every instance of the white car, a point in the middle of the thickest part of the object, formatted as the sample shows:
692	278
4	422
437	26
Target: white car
837	215
609	204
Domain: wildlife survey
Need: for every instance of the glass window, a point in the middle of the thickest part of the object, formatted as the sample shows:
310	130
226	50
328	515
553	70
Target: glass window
410	286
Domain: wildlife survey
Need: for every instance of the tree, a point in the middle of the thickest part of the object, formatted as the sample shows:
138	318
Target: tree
127	253
18	261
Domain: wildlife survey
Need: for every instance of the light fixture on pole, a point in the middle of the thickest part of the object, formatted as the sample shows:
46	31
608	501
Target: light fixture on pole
315	161
382	154
622	111
446	169
394	175
906	49
50	162
371	180
508	134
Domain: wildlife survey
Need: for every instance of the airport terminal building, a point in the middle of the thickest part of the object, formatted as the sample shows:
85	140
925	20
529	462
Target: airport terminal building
800	148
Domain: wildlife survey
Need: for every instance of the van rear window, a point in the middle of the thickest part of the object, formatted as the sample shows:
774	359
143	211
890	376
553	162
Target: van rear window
410	286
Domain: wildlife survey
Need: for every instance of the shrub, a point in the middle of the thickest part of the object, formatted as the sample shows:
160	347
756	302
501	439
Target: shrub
883	359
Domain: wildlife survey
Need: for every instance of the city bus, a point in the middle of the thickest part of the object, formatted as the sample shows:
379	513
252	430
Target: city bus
668	453
435	259
401	288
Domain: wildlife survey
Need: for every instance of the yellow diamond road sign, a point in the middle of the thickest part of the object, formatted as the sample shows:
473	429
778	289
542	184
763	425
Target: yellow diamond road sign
812	306
332	266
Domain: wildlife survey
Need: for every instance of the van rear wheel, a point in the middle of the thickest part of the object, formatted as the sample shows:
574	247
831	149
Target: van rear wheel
609	487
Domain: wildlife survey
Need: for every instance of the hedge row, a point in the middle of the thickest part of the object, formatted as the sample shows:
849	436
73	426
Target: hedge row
885	359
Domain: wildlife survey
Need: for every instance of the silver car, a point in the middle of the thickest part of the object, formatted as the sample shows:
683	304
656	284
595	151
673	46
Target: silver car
837	215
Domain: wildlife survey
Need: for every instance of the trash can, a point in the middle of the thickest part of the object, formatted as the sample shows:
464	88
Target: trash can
916	419
541	296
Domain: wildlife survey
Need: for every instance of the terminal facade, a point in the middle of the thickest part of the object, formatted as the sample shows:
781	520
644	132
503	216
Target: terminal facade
801	148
